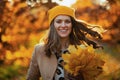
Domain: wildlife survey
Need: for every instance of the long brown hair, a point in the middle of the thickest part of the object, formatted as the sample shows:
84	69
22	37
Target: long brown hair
77	36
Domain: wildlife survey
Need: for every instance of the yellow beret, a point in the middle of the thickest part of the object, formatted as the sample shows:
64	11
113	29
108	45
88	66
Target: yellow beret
57	10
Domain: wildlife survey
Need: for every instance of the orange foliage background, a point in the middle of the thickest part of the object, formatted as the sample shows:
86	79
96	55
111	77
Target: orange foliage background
22	27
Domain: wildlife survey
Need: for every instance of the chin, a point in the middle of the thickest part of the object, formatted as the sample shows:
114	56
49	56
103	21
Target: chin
64	36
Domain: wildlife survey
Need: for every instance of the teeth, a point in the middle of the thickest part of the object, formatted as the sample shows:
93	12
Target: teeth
63	30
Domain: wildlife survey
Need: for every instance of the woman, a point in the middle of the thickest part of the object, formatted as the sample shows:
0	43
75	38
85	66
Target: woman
65	30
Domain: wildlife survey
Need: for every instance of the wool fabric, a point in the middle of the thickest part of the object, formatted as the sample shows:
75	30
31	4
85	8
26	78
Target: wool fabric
59	10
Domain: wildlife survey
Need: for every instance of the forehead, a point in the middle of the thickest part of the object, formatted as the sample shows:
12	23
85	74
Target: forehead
62	17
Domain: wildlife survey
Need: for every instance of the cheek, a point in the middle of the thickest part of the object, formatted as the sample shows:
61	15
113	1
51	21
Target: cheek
56	26
70	28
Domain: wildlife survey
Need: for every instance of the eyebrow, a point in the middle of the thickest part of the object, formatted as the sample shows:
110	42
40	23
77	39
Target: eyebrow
64	19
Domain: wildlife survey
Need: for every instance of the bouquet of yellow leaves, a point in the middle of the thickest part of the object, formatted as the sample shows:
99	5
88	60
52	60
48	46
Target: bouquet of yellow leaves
83	62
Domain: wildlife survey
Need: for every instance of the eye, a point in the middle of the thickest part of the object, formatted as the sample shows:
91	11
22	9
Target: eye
58	21
67	21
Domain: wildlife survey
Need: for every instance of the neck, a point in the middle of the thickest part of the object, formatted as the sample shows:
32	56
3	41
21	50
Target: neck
65	42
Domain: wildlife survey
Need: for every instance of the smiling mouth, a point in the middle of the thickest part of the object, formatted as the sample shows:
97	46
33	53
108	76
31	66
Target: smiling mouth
63	30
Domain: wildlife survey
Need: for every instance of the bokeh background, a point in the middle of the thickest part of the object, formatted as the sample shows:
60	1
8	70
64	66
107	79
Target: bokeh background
24	22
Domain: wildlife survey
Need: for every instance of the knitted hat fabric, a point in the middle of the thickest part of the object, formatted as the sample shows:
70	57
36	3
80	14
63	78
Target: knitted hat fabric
59	10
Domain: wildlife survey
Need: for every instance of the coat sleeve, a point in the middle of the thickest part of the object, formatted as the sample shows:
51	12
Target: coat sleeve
33	71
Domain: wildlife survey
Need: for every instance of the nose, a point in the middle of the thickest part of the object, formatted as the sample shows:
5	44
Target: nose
63	24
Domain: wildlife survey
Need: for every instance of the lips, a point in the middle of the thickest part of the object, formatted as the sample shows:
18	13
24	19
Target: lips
63	30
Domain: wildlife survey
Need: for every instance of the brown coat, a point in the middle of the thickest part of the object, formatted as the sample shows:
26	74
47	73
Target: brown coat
41	65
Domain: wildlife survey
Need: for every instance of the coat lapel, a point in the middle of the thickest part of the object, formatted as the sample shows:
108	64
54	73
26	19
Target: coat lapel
48	66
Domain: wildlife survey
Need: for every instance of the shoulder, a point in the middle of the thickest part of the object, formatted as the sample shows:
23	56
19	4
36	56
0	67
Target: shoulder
39	48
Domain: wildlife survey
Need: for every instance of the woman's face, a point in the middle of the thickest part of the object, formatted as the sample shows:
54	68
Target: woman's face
63	25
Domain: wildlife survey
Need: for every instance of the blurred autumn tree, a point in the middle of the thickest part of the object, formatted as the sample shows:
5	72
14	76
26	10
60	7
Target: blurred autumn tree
22	26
